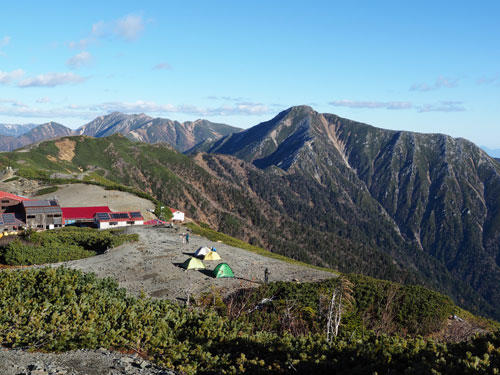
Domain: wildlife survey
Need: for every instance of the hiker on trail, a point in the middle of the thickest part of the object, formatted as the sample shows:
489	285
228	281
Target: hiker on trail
214	249
187	237
266	276
183	238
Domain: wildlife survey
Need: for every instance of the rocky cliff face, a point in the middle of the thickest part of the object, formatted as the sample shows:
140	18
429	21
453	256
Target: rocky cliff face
143	128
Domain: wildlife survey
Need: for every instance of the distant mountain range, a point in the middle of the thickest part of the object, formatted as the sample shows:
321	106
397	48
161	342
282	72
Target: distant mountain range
34	133
180	135
15	130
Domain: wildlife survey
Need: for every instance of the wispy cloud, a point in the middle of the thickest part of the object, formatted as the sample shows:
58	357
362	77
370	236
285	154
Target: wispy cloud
43	100
12	102
489	80
228	98
393	105
443	106
128	28
162	66
6	77
51	80
12	108
441	82
152	107
79	60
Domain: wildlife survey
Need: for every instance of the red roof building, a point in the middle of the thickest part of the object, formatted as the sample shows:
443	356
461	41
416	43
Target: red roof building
75	213
82	216
5	195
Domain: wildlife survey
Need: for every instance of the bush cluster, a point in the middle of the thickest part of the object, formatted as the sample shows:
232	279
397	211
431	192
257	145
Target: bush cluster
61	309
60	245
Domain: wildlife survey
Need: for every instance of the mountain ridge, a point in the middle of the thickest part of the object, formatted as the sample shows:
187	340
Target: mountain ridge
438	190
143	128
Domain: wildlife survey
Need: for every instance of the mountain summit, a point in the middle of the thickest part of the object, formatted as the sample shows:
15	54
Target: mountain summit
181	135
441	193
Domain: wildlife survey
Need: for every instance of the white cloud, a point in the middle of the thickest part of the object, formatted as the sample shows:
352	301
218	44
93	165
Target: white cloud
99	29
130	27
6	77
441	82
443	106
152	107
51	80
371	104
43	100
162	66
80	59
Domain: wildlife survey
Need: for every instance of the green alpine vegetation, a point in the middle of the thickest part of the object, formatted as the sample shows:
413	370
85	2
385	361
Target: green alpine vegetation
413	208
60	245
60	309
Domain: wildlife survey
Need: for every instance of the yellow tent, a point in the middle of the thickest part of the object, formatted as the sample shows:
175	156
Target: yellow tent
193	264
212	256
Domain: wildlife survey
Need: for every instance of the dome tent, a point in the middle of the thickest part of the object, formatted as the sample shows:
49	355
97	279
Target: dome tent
212	256
193	264
202	251
223	270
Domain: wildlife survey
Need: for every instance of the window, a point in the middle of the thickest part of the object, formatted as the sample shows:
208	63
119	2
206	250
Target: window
4	207
30	216
5	201
113	223
130	222
57	215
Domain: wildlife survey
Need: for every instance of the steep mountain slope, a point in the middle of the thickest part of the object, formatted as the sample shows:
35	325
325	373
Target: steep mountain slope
8	143
15	130
319	214
443	194
143	128
45	131
38	133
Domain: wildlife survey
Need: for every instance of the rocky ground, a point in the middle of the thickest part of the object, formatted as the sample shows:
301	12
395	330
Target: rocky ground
152	265
79	362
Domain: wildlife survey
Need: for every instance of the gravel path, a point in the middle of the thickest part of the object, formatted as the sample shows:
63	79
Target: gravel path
78	362
152	265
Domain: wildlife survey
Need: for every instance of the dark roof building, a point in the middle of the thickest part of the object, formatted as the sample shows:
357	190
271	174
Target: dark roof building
43	214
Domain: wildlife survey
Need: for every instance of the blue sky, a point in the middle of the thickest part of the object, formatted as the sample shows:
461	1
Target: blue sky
420	66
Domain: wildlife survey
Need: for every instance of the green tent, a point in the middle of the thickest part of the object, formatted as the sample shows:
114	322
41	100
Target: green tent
223	270
193	264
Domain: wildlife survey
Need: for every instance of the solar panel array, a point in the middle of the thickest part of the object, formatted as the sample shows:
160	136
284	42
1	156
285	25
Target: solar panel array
9	218
103	216
119	215
136	215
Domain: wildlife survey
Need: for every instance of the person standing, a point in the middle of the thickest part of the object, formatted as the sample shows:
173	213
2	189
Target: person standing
187	237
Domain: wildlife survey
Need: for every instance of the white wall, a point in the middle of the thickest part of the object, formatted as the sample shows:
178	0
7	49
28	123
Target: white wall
178	215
